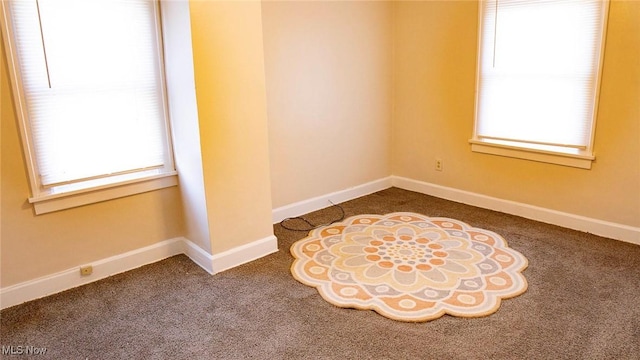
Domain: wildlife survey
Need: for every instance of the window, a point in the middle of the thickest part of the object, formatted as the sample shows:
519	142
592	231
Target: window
89	89
538	79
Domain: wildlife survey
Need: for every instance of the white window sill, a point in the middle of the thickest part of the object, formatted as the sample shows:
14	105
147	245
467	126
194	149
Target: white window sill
573	160
65	200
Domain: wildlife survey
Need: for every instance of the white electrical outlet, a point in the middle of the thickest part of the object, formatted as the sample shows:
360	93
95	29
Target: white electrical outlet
439	164
86	270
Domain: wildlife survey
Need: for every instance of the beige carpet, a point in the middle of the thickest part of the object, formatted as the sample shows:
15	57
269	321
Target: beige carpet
582	303
409	267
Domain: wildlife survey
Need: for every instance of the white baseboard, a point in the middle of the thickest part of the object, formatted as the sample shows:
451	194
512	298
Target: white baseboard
198	256
576	222
244	254
71	278
67	279
321	202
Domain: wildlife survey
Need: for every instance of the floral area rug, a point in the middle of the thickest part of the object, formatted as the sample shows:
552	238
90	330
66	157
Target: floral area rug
409	267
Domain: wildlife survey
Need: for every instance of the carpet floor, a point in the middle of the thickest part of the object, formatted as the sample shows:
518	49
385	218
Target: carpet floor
582	303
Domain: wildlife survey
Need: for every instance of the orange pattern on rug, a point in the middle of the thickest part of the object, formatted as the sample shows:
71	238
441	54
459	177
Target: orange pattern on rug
409	267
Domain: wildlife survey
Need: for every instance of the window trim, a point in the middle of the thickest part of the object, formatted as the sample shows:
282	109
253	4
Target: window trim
581	160
45	200
549	157
55	202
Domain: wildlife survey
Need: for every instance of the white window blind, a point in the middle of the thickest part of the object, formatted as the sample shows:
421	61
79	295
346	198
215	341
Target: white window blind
538	72
91	77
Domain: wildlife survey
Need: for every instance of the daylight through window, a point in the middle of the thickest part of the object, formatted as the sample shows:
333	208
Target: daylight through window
538	76
88	77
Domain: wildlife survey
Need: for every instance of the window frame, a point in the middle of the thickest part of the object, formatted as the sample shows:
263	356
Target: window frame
47	200
582	159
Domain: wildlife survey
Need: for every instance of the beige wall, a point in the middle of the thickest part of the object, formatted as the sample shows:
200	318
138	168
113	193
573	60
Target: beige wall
434	68
34	246
328	70
183	112
230	89
334	73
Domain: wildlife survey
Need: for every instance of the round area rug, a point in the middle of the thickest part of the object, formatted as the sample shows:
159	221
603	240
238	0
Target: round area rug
409	267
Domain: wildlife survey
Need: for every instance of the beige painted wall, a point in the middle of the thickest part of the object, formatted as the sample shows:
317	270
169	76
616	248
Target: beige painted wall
230	90
434	67
328	70
34	246
334	71
185	126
